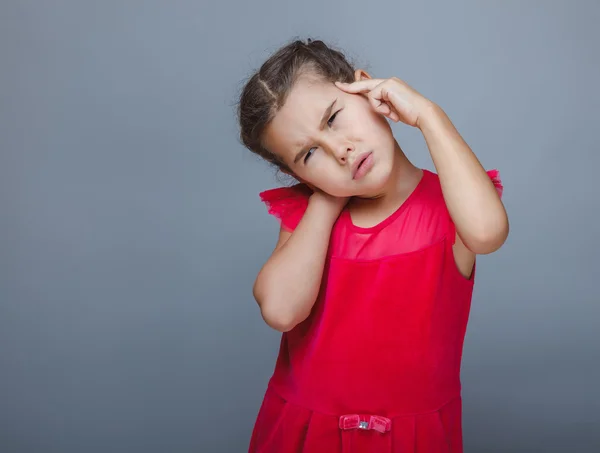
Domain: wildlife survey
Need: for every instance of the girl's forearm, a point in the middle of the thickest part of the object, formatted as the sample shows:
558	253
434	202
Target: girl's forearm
470	195
288	284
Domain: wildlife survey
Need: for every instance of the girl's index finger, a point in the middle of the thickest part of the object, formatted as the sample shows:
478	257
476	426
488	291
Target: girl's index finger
360	86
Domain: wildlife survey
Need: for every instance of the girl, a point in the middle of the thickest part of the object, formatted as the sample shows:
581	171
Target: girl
371	278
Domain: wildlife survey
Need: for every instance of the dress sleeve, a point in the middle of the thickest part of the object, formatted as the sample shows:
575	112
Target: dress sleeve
495	177
287	204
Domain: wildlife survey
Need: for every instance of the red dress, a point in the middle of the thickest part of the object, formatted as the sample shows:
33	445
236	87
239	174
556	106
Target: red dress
376	365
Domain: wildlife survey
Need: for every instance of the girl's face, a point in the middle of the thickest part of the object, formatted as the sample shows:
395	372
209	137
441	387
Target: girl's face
332	140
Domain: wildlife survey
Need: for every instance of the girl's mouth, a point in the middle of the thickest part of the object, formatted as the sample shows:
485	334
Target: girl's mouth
363	164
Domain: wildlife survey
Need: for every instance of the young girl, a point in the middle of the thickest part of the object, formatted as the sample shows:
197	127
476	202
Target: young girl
371	278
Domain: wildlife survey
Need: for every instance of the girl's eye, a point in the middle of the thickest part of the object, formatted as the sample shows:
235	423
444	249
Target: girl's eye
329	123
331	120
308	154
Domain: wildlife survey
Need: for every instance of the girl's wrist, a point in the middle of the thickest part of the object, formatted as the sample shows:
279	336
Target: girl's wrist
325	209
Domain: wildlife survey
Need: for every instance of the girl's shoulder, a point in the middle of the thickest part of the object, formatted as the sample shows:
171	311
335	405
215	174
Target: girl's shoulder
433	211
430	201
287	204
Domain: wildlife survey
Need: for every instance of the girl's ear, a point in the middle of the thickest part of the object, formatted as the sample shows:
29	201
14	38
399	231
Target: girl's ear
361	74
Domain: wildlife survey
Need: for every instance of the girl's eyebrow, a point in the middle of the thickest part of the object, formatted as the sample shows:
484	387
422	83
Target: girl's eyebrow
324	119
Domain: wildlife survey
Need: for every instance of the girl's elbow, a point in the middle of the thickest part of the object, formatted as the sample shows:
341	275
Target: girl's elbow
279	319
278	324
273	313
488	240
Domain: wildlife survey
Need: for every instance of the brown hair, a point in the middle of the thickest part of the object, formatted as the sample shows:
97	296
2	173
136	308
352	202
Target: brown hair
267	89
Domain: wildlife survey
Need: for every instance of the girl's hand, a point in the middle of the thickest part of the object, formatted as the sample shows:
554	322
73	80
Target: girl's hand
332	205
392	98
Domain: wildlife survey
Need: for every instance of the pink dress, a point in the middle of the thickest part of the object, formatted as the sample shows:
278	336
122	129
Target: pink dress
376	365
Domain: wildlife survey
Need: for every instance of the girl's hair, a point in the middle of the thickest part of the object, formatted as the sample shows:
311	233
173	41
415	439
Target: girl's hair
266	91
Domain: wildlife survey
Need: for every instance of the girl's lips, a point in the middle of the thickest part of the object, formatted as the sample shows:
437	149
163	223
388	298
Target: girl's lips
362	165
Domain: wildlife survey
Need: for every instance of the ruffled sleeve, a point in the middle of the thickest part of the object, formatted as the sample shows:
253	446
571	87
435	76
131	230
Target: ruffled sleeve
287	204
495	177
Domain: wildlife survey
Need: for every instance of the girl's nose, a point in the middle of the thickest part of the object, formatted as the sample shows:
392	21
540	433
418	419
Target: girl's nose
342	151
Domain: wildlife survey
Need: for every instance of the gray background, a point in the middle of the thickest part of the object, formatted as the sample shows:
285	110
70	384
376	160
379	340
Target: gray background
131	228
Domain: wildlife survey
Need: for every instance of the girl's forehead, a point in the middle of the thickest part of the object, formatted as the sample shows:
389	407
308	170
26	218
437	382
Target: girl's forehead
306	101
310	90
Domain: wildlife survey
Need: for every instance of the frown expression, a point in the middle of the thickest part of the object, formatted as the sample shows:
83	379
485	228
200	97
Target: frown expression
322	134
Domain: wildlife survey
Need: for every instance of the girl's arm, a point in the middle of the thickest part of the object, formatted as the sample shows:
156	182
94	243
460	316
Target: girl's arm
472	200
474	205
288	284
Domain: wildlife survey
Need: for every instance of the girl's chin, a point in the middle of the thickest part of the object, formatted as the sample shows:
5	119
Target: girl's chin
374	186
